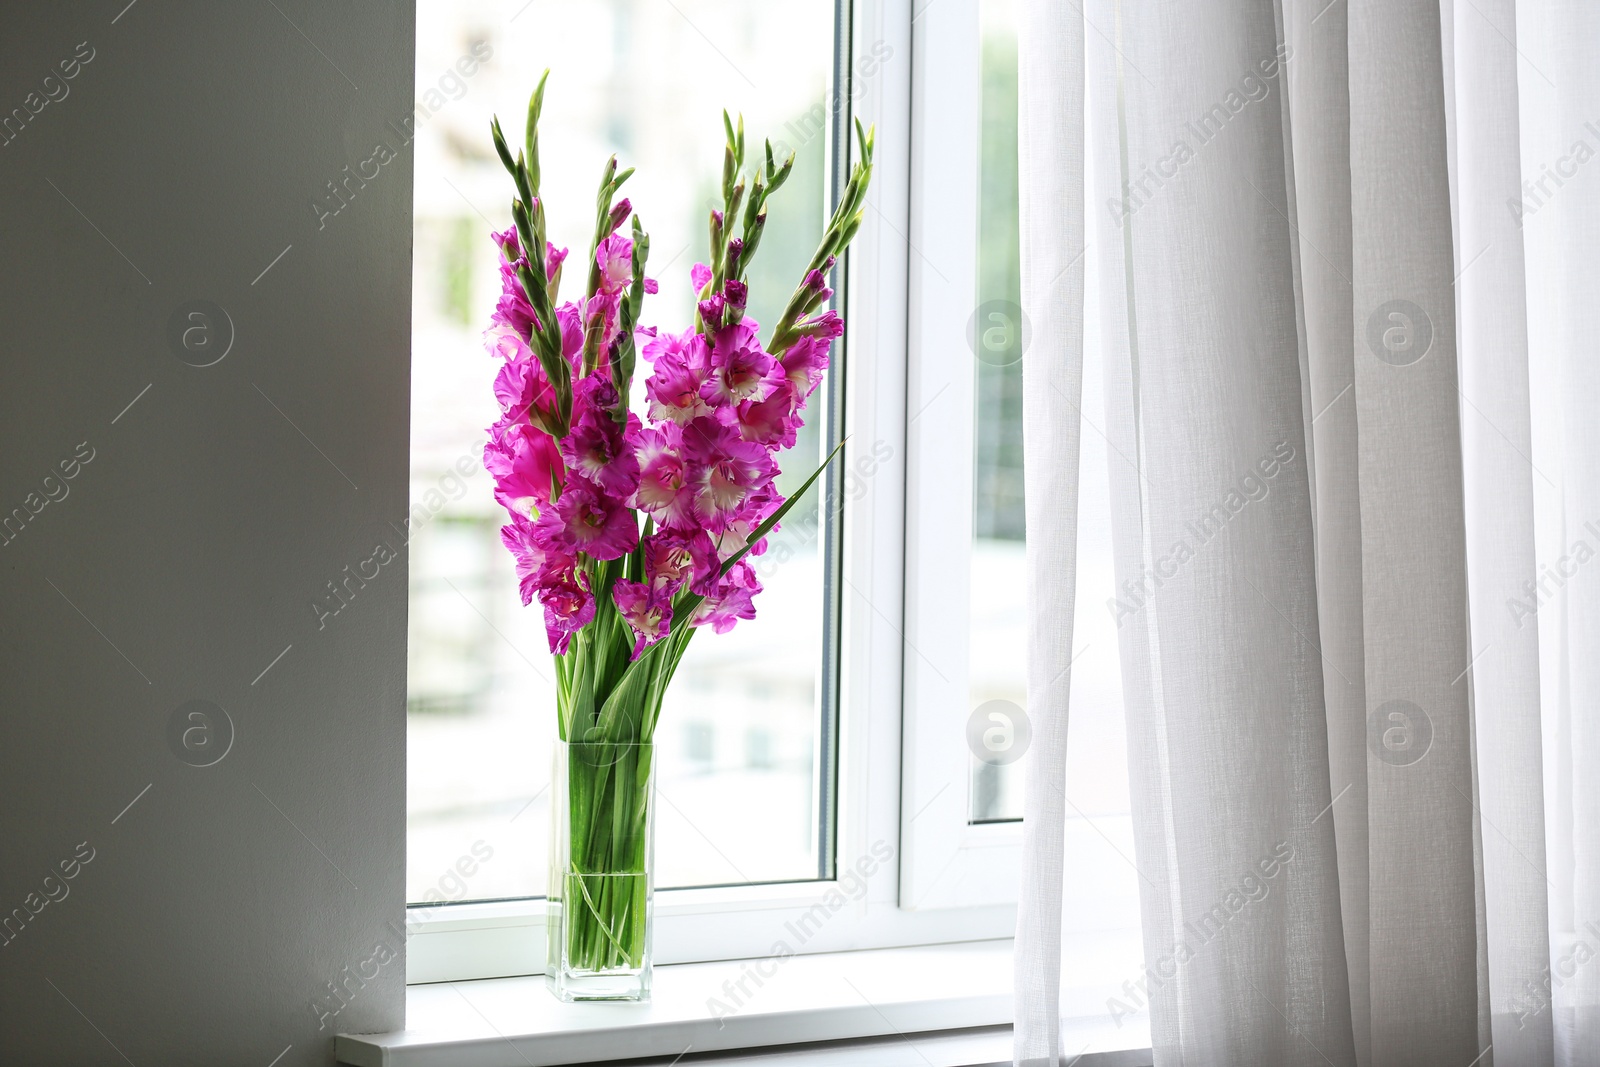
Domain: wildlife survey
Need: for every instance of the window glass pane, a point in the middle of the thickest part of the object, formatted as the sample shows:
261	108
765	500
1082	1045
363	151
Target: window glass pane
740	766
998	639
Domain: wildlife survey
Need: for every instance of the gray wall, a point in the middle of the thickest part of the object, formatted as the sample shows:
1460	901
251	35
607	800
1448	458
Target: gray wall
187	552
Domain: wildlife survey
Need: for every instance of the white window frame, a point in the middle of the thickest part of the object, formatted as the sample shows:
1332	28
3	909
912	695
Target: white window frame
953	881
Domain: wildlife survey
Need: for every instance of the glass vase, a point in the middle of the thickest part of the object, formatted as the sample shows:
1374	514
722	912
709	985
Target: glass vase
602	870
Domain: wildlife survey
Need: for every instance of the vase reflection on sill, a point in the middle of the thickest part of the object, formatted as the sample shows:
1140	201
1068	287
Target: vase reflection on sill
602	860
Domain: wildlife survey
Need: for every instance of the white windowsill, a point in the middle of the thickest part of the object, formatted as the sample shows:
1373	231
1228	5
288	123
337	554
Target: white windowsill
515	1022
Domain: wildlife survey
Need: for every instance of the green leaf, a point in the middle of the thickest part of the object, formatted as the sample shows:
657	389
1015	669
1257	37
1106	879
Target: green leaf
535	106
524	191
777	516
500	147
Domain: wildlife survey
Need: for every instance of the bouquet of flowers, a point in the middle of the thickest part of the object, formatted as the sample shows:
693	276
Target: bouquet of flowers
633	532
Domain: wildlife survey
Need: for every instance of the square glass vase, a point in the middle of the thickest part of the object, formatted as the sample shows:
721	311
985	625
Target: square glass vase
602	871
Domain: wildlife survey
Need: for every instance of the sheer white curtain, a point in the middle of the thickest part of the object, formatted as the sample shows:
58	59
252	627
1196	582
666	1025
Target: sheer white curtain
1348	263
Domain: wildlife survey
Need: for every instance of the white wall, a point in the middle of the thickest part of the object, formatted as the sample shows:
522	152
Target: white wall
188	551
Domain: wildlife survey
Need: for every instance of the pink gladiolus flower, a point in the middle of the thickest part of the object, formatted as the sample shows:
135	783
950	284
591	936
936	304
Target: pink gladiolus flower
647	613
513	309
554	578
674	391
553	258
700	277
664	490
688	346
772	422
725	470
673	559
733	600
803	365
504	341
758	505
602	319
568	604
506	241
594	395
596	446
518	537
570	318
587	519
520	386
525	465
615	260
825	326
711	311
740	370
682	366
736	533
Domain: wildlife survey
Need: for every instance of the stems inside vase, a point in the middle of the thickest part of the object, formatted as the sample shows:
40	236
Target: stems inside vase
601	879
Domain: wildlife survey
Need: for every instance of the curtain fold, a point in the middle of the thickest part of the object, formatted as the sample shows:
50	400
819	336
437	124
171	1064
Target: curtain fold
1317	92
1558	213
1050	147
1346	258
1213	527
1497	449
1422	896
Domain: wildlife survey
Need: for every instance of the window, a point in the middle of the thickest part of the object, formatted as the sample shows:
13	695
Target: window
745	716
831	735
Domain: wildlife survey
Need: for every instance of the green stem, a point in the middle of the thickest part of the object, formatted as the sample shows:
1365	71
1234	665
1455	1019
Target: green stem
605	881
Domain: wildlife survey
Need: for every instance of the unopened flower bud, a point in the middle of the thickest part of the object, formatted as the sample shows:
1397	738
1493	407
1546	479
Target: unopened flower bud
620	213
824	327
711	310
509	246
553	258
